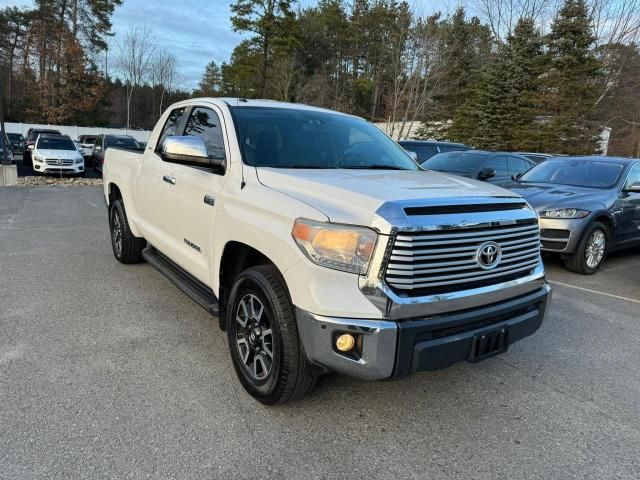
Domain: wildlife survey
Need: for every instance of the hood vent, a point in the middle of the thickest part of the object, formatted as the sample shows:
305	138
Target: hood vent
474	208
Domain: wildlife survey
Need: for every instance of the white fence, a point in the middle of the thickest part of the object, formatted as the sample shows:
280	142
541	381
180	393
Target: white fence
75	131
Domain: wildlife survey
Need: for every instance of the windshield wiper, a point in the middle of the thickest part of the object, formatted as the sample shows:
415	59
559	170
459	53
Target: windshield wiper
376	167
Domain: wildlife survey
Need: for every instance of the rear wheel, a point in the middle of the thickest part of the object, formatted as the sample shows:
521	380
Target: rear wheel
127	248
591	251
263	338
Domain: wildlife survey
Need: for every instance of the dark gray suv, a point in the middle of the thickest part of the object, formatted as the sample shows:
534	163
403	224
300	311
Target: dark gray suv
588	206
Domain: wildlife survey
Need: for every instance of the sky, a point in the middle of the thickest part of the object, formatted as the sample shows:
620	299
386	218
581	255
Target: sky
195	31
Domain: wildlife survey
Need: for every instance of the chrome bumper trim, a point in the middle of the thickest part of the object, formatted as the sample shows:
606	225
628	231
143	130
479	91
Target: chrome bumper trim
379	340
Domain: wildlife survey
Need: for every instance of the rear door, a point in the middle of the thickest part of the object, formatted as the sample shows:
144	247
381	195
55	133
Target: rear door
156	192
196	193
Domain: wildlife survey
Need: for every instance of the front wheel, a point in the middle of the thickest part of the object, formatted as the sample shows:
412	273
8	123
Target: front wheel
591	251
263	338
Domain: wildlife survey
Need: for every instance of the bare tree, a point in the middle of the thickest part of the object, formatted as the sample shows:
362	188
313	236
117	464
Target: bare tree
135	54
163	73
415	76
503	15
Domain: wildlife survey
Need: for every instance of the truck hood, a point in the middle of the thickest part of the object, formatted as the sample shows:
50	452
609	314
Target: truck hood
353	196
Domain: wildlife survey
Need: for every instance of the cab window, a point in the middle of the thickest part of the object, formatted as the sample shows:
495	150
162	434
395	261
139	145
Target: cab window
170	126
204	123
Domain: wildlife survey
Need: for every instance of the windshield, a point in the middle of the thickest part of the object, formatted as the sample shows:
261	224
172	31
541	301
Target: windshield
577	173
14	136
55	143
456	162
122	142
296	138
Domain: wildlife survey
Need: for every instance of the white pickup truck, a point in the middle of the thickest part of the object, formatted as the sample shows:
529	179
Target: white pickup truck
322	246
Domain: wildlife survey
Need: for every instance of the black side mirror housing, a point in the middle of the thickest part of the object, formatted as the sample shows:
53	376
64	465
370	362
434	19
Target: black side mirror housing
486	173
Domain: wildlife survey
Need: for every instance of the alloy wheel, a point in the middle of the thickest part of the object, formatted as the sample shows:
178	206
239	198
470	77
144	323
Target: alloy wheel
594	253
116	231
254	337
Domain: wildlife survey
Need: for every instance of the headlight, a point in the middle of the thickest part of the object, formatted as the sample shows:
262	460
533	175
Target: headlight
565	213
78	160
38	158
342	247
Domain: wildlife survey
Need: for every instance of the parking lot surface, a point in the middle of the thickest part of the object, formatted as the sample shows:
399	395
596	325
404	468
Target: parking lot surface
109	371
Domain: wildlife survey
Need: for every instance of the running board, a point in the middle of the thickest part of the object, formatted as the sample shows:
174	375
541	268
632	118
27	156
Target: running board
182	279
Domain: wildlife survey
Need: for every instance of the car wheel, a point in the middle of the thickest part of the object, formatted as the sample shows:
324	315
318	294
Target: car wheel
591	251
263	338
127	248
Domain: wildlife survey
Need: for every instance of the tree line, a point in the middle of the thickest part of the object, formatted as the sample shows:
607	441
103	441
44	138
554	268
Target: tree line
541	75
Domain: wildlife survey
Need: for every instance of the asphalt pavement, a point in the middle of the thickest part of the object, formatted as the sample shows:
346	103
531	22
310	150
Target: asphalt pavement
109	371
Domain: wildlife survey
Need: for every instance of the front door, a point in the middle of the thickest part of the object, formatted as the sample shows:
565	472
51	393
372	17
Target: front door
629	202
156	192
197	192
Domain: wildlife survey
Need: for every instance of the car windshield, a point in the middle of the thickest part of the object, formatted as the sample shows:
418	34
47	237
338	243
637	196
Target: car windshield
297	138
122	142
55	143
88	140
461	162
577	173
14	136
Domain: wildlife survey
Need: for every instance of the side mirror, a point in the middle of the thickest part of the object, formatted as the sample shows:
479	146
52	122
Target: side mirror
413	155
516	177
486	173
634	187
189	150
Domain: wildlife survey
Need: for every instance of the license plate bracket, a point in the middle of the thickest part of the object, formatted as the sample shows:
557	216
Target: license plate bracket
488	344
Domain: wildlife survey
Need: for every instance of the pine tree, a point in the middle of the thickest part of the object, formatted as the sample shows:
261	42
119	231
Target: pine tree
499	113
272	23
210	85
571	82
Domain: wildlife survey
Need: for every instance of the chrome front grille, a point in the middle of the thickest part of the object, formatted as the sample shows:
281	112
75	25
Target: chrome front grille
58	162
448	259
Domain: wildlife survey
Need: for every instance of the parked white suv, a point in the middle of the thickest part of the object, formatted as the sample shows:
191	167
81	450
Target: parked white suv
322	246
56	154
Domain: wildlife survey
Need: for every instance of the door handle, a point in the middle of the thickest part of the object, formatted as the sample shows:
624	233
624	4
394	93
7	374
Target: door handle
169	179
209	200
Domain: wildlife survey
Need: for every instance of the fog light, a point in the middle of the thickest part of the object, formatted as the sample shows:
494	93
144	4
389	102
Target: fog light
345	342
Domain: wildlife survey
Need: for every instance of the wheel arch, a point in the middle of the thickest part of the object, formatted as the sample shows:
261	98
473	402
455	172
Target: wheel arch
236	257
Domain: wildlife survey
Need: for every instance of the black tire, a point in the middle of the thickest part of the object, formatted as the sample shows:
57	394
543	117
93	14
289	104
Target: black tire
129	247
577	262
290	375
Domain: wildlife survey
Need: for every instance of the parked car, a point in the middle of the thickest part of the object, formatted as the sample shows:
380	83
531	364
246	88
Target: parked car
425	149
322	246
588	206
499	168
56	154
85	145
32	136
535	157
6	142
17	141
103	142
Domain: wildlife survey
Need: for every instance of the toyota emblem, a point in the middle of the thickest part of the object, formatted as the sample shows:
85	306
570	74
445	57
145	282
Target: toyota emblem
488	255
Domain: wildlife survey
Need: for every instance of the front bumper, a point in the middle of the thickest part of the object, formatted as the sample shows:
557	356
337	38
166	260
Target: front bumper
561	235
396	349
42	167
